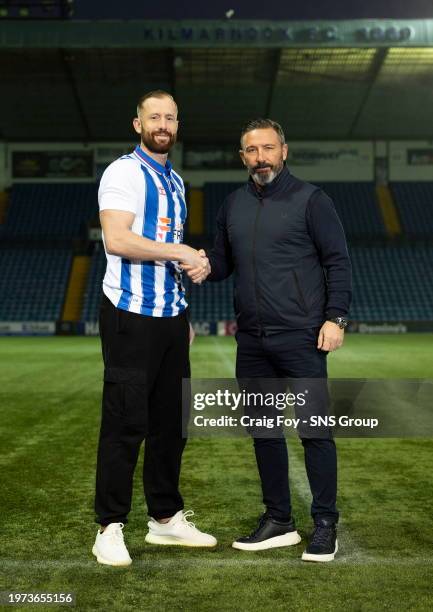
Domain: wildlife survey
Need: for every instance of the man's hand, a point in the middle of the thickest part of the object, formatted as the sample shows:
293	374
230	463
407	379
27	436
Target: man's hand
207	269
198	273
190	258
330	337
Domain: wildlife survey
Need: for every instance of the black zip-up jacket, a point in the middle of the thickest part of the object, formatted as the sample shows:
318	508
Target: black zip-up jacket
287	248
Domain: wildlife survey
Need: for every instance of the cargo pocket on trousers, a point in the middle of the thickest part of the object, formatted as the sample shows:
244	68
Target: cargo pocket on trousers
129	387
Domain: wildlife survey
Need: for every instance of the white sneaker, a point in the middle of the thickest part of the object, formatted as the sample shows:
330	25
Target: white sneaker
178	531
109	547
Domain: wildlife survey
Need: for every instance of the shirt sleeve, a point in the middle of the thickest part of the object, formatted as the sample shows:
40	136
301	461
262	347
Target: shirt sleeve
220	257
117	189
327	233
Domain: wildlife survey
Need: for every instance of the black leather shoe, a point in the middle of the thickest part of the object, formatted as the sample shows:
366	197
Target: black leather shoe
324	545
270	533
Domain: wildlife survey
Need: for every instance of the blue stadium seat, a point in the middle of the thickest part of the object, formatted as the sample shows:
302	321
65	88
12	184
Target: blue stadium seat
355	203
51	210
392	283
214	195
357	208
93	292
208	302
33	284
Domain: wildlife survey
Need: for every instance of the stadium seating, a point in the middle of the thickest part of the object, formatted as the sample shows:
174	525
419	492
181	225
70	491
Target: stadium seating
414	203
33	283
214	195
50	210
93	293
392	284
210	301
355	203
357	208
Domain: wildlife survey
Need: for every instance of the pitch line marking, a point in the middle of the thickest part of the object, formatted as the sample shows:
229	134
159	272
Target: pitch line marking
350	550
229	363
152	563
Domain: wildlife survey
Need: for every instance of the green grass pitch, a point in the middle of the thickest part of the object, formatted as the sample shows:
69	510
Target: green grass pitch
50	408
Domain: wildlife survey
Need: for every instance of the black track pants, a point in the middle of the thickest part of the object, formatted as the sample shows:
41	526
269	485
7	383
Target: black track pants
145	359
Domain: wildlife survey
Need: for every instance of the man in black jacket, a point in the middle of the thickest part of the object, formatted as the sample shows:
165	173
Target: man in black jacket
285	244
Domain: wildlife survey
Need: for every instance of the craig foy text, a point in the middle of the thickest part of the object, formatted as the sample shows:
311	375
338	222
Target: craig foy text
281	421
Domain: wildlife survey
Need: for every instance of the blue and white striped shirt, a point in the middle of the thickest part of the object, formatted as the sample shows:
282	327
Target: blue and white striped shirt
156	195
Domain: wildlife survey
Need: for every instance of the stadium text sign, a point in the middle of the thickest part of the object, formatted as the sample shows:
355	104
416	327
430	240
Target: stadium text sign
27	328
275	33
52	164
214	33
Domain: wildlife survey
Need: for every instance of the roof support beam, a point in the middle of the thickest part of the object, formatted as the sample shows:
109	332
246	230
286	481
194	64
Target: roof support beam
377	63
75	94
273	80
172	72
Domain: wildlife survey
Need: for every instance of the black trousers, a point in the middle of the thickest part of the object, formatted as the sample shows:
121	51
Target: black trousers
145	359
291	354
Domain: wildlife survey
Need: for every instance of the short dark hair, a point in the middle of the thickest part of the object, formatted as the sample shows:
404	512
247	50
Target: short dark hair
156	93
263	124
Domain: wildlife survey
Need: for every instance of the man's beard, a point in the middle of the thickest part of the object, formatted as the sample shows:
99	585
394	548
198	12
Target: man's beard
150	142
264	178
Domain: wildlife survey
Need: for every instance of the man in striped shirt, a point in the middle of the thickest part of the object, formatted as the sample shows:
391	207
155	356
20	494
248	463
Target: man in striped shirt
145	336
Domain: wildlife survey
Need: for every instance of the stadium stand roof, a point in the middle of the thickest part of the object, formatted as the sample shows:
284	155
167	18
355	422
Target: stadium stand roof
349	80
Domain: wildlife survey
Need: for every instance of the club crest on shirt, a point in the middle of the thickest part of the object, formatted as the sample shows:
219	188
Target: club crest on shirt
162	191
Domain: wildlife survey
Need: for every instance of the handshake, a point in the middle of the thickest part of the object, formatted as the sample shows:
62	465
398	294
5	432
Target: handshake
195	264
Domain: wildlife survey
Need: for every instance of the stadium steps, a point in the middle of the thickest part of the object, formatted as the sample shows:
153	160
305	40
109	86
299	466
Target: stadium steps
389	210
76	287
4	203
414	202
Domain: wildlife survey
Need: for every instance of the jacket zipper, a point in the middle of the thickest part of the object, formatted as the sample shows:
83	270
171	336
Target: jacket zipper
256	285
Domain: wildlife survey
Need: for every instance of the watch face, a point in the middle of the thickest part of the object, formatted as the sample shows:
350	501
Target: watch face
340	321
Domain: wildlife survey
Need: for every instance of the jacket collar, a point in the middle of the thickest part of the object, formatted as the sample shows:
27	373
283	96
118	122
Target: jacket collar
279	183
151	162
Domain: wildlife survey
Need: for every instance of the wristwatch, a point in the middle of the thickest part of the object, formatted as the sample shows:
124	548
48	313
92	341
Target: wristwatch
340	321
